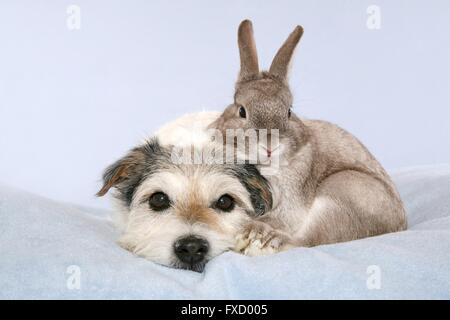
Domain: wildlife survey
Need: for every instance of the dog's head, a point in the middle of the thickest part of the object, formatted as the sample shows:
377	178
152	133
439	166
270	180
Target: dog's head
182	215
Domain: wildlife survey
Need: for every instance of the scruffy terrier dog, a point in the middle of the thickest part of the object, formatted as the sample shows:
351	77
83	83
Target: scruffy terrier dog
182	215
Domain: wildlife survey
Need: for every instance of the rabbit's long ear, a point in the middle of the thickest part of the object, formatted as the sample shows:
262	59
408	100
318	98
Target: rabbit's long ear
280	63
247	51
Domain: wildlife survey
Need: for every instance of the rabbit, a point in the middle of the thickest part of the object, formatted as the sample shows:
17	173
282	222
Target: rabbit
328	187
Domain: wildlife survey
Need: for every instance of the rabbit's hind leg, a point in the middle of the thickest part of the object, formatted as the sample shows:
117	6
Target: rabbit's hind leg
351	205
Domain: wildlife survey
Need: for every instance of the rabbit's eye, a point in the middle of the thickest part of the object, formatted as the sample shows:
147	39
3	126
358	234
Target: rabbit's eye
242	112
289	112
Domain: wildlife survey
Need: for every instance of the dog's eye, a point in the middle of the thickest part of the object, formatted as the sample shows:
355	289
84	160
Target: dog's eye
225	203
242	112
159	201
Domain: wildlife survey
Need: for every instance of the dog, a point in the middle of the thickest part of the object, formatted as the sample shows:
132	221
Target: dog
182	214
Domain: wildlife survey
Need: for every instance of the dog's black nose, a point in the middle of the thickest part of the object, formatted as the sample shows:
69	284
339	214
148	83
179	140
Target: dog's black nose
191	249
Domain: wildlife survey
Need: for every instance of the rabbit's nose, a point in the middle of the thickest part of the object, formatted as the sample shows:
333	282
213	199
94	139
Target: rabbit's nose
269	150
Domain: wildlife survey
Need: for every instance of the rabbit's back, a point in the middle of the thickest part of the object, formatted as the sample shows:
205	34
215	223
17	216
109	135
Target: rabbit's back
336	149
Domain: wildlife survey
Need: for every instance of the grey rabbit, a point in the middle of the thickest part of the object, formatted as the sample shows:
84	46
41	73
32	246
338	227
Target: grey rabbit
328	188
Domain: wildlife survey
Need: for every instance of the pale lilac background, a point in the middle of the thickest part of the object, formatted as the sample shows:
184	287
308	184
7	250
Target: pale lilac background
71	102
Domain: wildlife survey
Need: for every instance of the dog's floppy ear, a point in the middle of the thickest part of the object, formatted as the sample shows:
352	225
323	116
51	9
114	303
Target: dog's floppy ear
122	170
257	186
127	173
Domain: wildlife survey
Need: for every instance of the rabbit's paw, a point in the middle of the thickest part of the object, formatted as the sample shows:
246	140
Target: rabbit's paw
259	238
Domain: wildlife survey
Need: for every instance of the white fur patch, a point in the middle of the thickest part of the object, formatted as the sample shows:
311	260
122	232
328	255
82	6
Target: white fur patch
187	130
320	204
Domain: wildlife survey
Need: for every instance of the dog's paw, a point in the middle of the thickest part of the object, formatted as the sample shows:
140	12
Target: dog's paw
259	238
126	245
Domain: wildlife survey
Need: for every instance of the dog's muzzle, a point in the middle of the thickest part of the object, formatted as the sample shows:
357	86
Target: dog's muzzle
191	250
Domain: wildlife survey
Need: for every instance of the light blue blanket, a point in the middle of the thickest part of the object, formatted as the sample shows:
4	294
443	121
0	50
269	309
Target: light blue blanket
54	250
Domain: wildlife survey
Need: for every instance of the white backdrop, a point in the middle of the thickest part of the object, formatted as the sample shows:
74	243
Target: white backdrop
73	101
